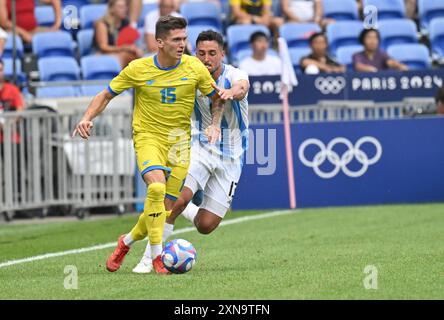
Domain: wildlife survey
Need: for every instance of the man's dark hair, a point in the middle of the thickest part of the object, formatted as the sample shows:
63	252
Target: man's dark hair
257	35
439	97
210	35
316	35
167	23
365	32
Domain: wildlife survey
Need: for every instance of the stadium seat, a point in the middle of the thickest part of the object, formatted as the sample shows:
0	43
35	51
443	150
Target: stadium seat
45	16
238	36
297	34
414	55
202	13
193	33
57	92
296	54
341	9
145	10
85	41
90	13
343	33
77	3
397	31
53	44
58	69
7	52
345	54
8	69
99	67
436	29
428	10
388	9
91	90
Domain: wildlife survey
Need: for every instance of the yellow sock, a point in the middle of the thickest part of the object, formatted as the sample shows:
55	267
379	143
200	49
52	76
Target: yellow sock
139	231
154	212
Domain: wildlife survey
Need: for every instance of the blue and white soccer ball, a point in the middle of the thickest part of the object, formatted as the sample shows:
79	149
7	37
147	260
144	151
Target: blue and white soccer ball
179	256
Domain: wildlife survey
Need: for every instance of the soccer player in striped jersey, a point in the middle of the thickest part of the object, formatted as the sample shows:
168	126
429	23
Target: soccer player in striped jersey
215	168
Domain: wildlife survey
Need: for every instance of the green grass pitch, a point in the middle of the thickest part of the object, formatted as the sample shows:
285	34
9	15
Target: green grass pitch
308	254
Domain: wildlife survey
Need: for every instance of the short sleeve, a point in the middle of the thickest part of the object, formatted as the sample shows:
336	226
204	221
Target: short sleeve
123	81
204	79
3	34
150	22
239	74
18	99
357	58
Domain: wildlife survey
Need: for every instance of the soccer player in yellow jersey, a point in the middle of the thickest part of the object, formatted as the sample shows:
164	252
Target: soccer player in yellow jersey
165	88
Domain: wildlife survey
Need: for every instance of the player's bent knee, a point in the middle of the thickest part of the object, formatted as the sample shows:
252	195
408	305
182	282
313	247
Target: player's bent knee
156	190
205	226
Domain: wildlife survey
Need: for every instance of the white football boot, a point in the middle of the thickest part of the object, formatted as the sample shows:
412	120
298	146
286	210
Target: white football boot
144	266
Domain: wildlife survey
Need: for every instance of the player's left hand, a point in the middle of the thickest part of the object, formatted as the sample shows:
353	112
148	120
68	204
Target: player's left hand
224	94
213	133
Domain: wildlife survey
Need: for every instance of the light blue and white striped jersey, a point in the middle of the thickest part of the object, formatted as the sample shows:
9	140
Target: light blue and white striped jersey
234	125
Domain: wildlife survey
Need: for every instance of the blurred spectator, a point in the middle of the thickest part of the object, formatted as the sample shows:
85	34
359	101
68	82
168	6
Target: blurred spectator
304	11
372	59
255	12
319	60
135	8
107	32
26	20
3	37
260	63
166	7
10	96
439	98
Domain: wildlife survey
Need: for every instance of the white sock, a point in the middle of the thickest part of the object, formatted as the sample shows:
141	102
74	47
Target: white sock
147	253
190	212
128	240
156	249
167	231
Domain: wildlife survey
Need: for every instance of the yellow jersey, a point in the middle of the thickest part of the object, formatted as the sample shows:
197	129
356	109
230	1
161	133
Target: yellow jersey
164	97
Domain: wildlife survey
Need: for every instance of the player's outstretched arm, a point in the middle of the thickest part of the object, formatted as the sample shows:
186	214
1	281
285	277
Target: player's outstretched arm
237	92
97	105
217	109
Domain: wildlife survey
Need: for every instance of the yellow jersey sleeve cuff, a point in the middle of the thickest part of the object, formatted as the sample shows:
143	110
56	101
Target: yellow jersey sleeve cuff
112	91
212	93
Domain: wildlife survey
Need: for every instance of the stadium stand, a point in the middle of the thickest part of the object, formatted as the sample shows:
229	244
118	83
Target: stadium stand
202	13
341	10
238	37
343	33
7	52
145	10
53	44
414	55
296	54
85	41
397	31
345	55
57	92
99	67
8	67
90	13
297	34
45	16
392	9
436	29
428	10
58	69
193	33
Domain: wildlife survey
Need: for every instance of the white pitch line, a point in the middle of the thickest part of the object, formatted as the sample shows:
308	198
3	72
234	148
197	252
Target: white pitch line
113	244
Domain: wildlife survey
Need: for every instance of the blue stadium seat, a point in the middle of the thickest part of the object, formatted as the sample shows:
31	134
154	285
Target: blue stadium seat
53	44
428	10
341	10
85	41
58	69
345	54
414	55
436	29
57	92
77	3
8	69
145	10
238	36
296	54
99	67
202	13
297	34
90	13
45	16
91	90
388	9
193	33
7	51
343	33
397	31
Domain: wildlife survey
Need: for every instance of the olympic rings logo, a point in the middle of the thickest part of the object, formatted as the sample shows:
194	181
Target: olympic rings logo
330	85
326	153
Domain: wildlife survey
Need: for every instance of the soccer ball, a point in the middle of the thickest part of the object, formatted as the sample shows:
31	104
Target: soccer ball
179	256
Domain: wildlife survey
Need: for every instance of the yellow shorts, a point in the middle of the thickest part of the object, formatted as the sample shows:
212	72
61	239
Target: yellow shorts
173	158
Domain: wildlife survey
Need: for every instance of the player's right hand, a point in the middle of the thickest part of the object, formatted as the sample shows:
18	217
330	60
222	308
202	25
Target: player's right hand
83	128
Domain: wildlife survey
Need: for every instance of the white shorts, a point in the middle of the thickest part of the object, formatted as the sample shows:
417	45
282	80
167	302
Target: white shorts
217	177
